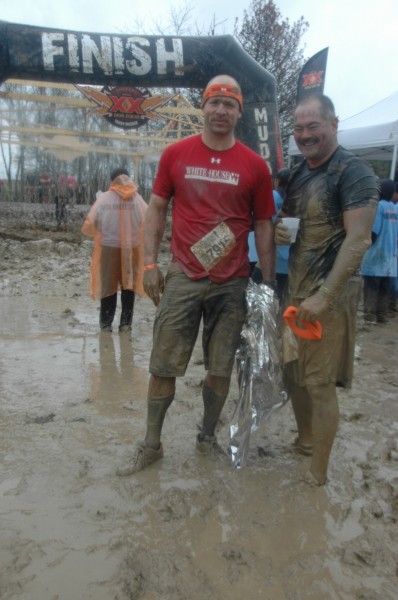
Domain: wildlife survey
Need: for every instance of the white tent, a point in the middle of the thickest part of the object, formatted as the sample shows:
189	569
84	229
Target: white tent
371	134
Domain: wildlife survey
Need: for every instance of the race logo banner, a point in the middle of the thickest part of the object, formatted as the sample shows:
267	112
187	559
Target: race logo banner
125	107
95	60
312	75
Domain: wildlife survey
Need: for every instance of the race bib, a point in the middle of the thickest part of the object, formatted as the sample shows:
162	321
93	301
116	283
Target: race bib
214	246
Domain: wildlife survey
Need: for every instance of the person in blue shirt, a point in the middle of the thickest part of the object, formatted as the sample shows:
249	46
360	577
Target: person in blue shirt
255	271
379	264
282	252
394	282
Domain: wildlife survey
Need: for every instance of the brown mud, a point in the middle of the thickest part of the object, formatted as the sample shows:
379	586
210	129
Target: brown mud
188	528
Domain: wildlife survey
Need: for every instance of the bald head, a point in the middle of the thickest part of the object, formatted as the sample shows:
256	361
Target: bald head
223	79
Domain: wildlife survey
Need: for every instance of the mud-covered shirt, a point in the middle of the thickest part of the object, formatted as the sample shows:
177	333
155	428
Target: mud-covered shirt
319	197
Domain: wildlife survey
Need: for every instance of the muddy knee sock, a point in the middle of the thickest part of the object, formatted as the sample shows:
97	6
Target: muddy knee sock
156	412
213	404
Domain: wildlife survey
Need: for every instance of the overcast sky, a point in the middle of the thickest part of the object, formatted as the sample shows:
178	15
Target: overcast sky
362	36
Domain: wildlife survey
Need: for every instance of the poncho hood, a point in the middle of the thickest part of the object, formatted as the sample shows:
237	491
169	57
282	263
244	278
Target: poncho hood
123	186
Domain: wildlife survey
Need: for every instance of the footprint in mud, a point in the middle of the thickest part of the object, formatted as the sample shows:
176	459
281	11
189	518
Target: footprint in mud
238	563
41	419
356	416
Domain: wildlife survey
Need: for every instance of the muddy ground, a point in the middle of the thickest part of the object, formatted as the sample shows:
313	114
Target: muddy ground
72	407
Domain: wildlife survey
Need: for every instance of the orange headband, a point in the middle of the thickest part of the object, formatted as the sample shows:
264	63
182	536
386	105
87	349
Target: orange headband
223	89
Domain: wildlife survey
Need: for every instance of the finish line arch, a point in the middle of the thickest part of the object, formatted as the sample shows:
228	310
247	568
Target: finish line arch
55	55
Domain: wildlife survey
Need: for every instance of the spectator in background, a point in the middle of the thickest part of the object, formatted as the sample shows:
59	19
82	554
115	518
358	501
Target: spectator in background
60	210
115	221
72	183
394	283
45	185
282	252
379	265
255	271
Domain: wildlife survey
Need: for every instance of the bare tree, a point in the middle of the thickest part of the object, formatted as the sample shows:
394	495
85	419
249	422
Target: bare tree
182	21
275	44
268	37
263	33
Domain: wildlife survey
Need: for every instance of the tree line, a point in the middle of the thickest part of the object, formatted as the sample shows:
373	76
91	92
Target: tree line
271	39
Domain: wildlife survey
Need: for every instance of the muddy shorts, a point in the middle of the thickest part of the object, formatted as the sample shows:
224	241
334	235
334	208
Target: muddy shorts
331	359
184	304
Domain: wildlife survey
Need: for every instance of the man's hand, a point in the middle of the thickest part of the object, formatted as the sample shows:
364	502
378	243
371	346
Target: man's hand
313	307
154	284
271	283
281	235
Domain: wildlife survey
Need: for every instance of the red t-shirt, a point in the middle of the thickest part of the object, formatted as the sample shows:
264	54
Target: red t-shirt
209	187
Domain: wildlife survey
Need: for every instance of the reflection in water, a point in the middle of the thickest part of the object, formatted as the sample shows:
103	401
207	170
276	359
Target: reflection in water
115	379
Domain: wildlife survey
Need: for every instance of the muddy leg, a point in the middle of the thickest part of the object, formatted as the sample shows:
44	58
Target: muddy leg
370	296
383	299
302	408
160	395
215	392
325	418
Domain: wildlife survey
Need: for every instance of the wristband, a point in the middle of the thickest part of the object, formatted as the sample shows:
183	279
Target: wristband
325	290
150	267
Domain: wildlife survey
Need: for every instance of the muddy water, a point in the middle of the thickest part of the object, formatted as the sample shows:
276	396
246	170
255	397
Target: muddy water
189	528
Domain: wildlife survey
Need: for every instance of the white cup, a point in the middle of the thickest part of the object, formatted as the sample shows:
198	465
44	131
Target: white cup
292	223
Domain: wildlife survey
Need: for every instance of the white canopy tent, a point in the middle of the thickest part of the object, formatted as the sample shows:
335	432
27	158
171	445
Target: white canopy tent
371	134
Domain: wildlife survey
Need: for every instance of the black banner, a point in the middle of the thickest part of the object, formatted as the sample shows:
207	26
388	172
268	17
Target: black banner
34	53
312	75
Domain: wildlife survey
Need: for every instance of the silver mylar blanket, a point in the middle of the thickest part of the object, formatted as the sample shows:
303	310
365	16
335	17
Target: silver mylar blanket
259	365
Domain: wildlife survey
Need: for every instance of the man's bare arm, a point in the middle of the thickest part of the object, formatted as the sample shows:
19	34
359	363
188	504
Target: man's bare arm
154	227
358	225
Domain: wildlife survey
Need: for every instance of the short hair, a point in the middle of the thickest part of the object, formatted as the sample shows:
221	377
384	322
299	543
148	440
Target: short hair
387	188
327	107
283	175
119	171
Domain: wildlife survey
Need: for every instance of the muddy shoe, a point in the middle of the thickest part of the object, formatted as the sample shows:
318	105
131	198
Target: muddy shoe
304	449
208	446
310	480
143	457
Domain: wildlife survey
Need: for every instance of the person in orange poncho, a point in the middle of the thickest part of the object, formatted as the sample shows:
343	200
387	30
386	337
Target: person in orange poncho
115	221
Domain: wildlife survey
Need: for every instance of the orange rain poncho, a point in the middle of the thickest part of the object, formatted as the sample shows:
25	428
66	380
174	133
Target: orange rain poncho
116	221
